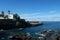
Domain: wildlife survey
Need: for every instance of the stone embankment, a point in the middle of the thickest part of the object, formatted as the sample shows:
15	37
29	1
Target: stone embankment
35	23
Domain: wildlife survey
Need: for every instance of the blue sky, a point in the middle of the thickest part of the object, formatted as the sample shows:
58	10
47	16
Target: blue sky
35	10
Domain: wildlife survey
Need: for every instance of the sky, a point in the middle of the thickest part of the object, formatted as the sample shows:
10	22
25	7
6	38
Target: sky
33	10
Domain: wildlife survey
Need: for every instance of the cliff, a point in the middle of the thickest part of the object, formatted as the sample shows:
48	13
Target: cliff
12	21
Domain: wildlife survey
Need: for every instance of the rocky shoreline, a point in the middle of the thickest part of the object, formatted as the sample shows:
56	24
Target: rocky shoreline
44	35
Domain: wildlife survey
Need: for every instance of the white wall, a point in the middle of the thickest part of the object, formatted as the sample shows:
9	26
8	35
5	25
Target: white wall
1	17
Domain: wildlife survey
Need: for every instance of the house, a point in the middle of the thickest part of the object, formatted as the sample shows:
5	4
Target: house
9	16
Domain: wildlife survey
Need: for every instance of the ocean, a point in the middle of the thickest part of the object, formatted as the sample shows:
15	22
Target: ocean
47	25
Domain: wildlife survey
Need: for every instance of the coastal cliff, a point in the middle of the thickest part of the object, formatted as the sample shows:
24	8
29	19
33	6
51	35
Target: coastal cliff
12	21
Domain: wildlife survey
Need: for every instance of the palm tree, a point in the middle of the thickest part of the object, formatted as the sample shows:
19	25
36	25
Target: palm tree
8	11
2	13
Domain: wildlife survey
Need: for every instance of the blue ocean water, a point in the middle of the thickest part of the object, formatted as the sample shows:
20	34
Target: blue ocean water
47	25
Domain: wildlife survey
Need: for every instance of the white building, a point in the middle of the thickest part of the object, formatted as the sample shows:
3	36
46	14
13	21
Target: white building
10	16
1	16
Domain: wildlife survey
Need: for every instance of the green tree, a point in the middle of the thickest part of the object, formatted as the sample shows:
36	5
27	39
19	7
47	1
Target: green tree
16	16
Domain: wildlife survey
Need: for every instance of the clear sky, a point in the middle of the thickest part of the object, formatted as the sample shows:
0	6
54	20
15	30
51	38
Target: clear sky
44	10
